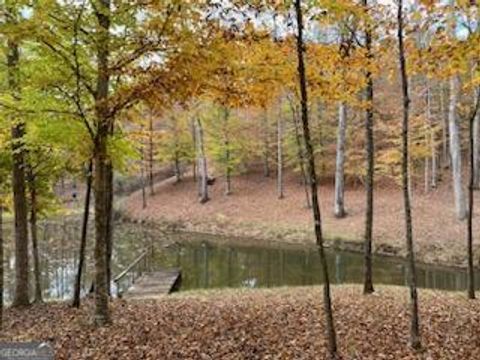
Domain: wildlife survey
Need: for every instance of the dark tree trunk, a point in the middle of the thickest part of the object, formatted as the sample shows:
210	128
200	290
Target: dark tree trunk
142	179
445	134
300	154
266	146
368	281
194	141
1	265
21	296
109	216
280	193
339	201
176	167
471	188
332	342
34	234
202	165
102	165
228	172
414	325
83	238
150	158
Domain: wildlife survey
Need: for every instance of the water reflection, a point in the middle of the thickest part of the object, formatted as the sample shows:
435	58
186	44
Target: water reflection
206	265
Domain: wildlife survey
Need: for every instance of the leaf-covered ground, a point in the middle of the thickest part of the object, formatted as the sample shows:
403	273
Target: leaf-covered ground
281	323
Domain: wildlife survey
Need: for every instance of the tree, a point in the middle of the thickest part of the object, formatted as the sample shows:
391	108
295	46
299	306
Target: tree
412	280
83	236
332	342
455	149
98	91
471	188
21	296
370	155
202	163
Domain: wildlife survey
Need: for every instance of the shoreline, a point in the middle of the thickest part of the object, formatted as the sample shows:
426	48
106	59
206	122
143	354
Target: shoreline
253	214
266	240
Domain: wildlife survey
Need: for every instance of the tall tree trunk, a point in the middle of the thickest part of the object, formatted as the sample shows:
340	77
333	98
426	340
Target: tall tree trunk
83	237
280	193
228	171
21	296
414	325
471	270
330	328
102	164
445	135
301	158
370	154
426	179
142	179
34	234
102	315
1	265
266	145
433	145
455	149
150	156
176	167
339	206
476	150
194	141
202	164
109	215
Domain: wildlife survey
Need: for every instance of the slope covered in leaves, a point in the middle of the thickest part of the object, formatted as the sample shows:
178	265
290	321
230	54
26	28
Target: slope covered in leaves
281	323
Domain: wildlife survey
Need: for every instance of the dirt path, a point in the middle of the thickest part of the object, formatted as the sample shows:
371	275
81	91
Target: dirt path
254	211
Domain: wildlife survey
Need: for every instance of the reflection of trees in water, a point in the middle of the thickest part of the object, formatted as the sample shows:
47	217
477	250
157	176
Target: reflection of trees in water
206	265
58	251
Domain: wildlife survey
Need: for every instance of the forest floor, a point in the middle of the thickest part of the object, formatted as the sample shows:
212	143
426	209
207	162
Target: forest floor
254	211
282	323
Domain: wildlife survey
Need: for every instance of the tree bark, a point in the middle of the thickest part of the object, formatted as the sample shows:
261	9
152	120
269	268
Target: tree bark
370	155
445	135
301	158
414	324
1	265
176	167
228	170
150	157
83	237
455	149
194	141
109	216
339	204
142	179
101	160
433	146
21	296
202	165
34	234
476	150
266	146
330	328
280	193
471	187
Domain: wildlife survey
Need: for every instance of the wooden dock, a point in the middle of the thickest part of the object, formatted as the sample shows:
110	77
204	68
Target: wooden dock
151	285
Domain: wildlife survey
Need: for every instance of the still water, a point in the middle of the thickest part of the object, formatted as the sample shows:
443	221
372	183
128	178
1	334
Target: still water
205	264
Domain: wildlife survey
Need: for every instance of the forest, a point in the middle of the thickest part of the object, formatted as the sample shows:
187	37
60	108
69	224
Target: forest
159	159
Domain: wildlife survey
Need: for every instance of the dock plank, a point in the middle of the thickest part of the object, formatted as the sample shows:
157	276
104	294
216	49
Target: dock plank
154	284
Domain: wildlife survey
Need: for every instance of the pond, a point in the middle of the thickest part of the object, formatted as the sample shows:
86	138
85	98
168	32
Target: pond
208	261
